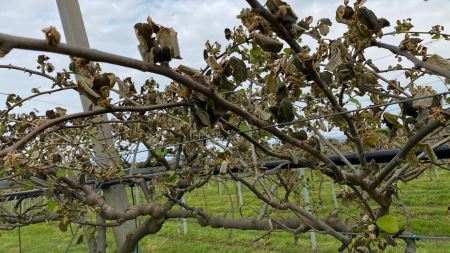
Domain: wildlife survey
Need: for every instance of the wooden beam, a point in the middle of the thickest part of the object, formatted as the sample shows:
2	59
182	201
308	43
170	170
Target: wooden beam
116	195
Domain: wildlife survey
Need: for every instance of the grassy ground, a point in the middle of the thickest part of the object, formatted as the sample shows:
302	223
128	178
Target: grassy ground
426	198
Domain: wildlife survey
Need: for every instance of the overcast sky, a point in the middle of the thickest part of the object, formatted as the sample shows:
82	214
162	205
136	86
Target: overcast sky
109	25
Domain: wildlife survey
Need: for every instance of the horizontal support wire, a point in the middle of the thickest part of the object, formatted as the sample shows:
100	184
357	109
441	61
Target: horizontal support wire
266	127
382	156
379	156
412	236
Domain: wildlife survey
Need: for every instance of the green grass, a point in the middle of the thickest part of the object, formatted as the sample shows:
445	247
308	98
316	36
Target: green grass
426	198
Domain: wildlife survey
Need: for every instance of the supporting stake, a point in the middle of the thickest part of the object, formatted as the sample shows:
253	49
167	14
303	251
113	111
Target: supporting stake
312	234
239	193
115	196
333	192
184	220
219	185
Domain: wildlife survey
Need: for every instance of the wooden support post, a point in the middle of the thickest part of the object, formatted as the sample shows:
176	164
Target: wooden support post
239	193
333	193
312	234
219	184
115	196
436	172
184	220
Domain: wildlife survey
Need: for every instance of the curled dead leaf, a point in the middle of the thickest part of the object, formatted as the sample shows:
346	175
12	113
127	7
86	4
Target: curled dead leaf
261	113
223	167
211	60
344	14
425	102
441	62
52	36
4	51
189	71
338	55
167	37
268	44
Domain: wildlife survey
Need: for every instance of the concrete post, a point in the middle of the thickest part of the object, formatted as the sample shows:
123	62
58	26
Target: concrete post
75	33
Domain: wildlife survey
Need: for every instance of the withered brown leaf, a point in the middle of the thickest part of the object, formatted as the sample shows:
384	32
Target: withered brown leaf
52	36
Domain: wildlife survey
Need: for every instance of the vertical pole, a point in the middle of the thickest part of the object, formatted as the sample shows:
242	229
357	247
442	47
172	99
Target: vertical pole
333	192
133	192
133	165
75	33
219	184
312	234
20	234
436	172
263	210
184	220
239	192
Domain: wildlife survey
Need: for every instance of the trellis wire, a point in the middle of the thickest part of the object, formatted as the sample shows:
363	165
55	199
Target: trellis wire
44	101
269	126
412	236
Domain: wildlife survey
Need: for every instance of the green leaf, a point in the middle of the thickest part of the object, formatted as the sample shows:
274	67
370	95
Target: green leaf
371	139
388	223
282	92
287	51
161	152
51	206
203	116
436	37
60	173
256	51
272	83
170	177
356	102
374	99
170	173
391	120
225	84
243	127
239	69
63	224
286	112
80	239
300	135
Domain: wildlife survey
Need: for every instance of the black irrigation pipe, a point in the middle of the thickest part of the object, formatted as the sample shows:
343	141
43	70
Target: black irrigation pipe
383	156
413	236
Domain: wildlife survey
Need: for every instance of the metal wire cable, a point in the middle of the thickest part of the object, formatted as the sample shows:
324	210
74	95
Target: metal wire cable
45	101
412	236
266	127
272	125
